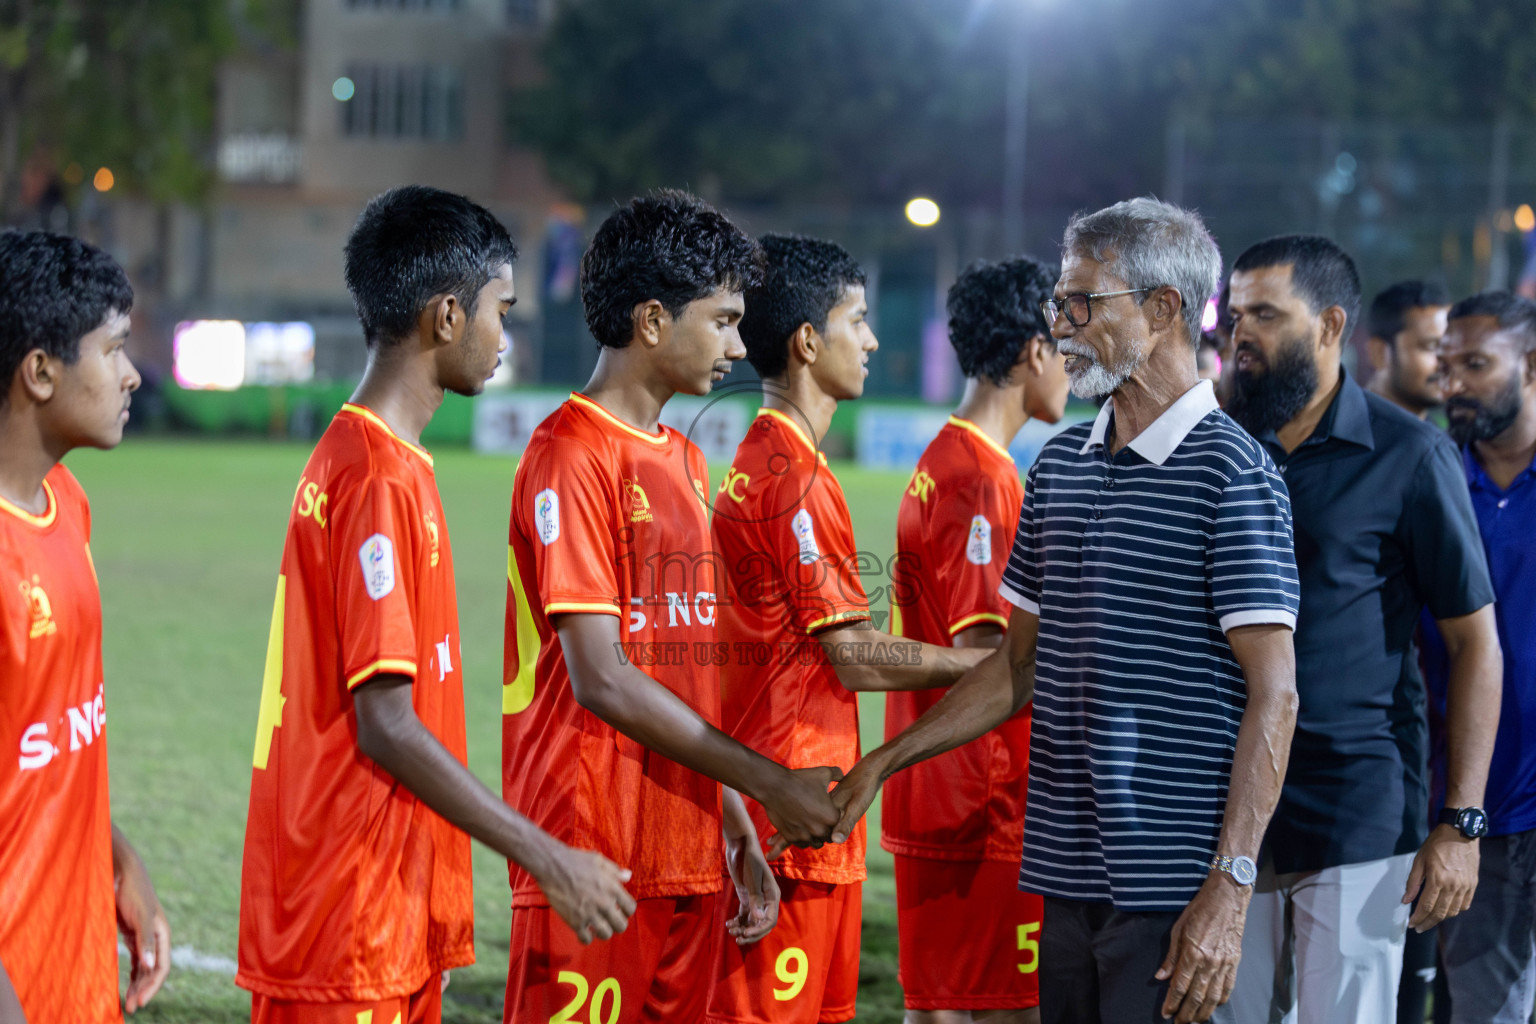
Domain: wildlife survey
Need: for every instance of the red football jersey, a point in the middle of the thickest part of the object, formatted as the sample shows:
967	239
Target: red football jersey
353	889
608	519
953	535
781	525
58	928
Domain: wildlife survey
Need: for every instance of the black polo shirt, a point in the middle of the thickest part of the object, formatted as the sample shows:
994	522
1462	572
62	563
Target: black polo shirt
1384	527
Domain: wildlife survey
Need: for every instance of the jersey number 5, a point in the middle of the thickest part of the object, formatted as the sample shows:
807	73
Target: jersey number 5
1029	947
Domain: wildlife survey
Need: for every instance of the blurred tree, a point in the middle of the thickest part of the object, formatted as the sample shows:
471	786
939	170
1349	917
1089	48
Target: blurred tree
867	101
123	84
837	101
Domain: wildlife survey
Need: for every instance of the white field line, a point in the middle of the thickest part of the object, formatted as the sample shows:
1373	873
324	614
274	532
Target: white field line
188	959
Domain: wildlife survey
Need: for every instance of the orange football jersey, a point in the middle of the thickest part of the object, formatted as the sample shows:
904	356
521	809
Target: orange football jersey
58	927
781	526
353	889
608	519
953	535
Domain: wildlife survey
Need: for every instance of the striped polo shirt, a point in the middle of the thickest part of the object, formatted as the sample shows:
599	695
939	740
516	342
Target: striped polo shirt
1137	564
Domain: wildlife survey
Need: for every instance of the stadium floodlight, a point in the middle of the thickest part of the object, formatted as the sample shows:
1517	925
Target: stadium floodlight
923	212
1525	218
343	88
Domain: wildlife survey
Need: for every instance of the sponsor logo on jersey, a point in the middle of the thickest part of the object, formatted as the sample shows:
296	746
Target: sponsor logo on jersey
805	536
978	544
84	724
639	504
920	486
377	556
432	537
39	610
735	483
546	515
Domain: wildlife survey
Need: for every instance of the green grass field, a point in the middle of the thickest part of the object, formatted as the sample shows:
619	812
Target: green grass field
187	537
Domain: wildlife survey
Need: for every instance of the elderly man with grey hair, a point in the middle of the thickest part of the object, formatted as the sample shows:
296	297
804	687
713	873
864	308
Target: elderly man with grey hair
1154	590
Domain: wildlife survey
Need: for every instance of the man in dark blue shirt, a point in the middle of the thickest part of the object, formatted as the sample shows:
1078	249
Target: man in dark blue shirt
1490	372
1383	528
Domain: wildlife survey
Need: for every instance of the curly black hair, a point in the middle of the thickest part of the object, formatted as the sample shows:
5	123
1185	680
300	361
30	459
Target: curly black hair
994	308
56	290
412	243
805	278
669	246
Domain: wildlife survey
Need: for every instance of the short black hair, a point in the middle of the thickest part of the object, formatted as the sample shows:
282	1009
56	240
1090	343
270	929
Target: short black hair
803	279
54	290
669	246
1223	296
1391	306
1321	273
1513	312
994	308
414	242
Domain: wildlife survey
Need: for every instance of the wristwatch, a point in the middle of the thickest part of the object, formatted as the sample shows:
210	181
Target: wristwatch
1471	822
1242	869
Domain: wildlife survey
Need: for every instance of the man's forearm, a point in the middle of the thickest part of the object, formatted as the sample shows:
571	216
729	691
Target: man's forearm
391	735
867	660
1263	750
655	717
1258	772
1474	692
982	699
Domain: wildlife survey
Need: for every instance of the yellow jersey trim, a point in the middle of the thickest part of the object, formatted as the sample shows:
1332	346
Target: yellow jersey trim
374	418
956	421
849	616
557	607
977	619
794	428
581	399
43	521
400	665
518	694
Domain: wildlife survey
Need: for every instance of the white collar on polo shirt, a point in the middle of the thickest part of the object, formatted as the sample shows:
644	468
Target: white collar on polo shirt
1165	433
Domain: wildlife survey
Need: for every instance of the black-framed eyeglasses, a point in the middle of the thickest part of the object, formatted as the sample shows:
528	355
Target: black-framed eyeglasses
1079	308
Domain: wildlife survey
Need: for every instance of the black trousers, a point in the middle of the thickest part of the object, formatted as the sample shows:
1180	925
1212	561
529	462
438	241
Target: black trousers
1098	964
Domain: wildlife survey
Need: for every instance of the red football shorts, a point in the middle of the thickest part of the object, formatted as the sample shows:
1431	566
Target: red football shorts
657	969
969	940
424	1006
806	971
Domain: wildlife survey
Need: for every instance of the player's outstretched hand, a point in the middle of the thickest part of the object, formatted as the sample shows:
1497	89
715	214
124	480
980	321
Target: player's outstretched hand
801	809
853	796
142	921
587	890
757	891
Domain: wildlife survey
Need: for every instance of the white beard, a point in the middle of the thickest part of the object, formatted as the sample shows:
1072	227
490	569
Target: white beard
1099	380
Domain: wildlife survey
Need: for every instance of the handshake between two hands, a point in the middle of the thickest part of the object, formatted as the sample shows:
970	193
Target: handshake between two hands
807	810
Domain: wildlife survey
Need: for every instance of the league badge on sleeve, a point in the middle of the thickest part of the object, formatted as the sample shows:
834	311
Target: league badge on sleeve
378	558
805	536
546	515
978	544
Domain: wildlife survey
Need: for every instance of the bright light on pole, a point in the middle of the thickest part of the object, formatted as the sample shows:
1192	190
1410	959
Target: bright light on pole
343	88
923	212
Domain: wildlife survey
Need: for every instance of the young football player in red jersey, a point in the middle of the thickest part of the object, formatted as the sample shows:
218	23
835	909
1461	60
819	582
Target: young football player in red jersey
782	529
356	890
612	700
969	939
70	879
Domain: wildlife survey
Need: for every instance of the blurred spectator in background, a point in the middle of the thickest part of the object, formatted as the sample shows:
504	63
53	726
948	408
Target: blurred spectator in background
1220	337
1406	323
1383	528
1490	386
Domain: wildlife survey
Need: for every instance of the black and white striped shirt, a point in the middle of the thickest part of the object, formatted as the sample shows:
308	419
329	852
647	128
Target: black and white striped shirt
1137	565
